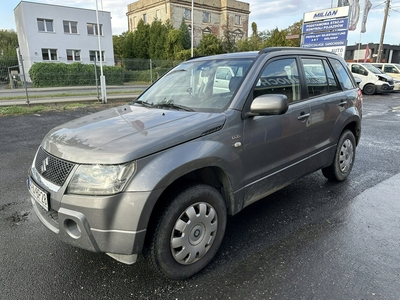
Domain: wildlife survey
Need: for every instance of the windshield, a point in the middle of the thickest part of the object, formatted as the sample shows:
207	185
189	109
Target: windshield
197	85
372	69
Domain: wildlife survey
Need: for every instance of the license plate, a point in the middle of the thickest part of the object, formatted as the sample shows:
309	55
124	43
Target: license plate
40	196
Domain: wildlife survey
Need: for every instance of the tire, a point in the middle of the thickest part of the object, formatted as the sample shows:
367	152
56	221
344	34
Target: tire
189	232
369	89
343	161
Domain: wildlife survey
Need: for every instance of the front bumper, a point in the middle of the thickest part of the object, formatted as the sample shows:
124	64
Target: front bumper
384	88
108	224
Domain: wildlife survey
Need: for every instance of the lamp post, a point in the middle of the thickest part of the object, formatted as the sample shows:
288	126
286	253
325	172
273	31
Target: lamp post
102	78
192	29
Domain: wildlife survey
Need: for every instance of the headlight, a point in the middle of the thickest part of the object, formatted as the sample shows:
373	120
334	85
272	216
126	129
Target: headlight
100	179
381	78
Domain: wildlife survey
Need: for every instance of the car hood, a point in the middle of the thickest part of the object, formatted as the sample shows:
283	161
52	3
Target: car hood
126	133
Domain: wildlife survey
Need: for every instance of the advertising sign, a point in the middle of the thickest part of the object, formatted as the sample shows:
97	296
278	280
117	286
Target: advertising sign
329	13
326	29
324	39
340	50
339	24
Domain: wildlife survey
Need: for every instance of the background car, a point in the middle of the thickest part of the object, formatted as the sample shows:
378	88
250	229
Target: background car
391	69
372	79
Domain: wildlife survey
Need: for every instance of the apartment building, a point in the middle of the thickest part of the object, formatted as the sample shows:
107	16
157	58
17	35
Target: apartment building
53	33
209	16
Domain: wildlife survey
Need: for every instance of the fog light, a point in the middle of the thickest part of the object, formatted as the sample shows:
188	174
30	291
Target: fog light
72	228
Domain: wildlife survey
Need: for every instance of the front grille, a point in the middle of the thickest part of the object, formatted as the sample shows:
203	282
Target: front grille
52	168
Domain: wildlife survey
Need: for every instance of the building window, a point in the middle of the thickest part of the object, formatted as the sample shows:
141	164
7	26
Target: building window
134	22
92	29
70	27
144	18
158	14
206	31
45	25
94	55
74	55
49	54
206	17
238	20
187	15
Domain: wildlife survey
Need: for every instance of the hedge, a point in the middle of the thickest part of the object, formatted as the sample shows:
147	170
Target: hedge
75	74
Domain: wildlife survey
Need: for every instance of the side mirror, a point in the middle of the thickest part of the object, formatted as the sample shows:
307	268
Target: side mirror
269	104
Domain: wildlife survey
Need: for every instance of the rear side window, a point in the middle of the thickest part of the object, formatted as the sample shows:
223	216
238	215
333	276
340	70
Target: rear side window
390	69
342	75
319	77
279	77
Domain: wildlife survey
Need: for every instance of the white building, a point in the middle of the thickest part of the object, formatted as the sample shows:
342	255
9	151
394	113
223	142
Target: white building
53	33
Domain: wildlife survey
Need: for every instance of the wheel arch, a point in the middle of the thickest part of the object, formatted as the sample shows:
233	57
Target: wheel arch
211	175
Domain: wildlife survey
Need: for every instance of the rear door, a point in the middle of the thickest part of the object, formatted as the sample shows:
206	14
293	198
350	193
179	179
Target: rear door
328	97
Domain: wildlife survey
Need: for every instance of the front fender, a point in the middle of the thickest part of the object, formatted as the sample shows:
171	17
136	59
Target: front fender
159	170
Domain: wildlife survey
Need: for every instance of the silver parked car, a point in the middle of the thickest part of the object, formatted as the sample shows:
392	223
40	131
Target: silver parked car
160	176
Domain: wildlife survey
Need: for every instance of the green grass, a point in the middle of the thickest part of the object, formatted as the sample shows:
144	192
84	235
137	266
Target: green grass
58	95
36	109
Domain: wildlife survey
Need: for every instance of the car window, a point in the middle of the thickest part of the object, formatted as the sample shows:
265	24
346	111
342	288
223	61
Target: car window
390	69
279	77
343	76
333	86
357	69
316	78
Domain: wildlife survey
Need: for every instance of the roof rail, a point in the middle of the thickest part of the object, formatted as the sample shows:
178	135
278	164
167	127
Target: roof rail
274	49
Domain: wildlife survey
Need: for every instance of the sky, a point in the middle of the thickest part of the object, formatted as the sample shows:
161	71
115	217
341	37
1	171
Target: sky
267	14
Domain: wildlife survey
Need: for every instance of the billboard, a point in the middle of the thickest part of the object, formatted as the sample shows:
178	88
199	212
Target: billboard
326	29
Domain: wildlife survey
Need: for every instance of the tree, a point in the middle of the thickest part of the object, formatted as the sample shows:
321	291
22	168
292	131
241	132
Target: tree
174	43
186	39
141	40
210	45
157	38
127	50
8	43
228	40
254	43
8	54
294	29
275	38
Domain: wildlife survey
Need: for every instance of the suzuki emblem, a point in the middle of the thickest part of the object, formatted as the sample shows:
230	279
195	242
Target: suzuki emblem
45	163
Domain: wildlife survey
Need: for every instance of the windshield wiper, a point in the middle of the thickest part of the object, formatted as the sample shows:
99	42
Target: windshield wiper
144	103
173	106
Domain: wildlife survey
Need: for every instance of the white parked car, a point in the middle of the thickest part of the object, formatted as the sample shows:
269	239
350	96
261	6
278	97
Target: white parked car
373	80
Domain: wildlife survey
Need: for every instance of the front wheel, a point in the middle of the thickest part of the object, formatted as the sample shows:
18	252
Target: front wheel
369	89
189	232
343	161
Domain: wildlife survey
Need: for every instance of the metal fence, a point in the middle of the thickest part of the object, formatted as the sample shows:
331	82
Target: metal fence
134	71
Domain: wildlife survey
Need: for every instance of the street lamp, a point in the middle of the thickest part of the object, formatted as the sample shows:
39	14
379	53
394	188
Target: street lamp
191	17
102	78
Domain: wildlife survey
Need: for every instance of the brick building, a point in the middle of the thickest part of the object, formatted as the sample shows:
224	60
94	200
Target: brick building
209	16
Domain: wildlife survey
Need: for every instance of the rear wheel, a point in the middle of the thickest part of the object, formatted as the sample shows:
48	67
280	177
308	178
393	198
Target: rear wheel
343	162
369	89
189	232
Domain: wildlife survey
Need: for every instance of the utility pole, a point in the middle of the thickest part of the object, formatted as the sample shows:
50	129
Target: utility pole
379	58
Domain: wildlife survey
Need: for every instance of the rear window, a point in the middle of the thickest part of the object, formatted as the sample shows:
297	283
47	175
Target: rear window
342	74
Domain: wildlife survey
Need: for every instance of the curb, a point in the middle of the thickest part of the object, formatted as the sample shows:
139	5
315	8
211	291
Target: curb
47	101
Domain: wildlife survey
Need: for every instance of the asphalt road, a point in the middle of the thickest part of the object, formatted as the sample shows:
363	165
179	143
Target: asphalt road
312	240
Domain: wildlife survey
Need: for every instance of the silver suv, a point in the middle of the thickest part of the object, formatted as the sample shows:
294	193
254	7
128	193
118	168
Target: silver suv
160	176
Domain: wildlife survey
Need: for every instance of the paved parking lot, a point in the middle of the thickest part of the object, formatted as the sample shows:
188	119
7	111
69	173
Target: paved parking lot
311	240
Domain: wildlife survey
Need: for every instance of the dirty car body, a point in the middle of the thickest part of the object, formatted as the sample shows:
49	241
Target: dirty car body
160	175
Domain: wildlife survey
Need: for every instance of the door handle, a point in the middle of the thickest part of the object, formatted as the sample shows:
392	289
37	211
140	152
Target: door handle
342	103
303	116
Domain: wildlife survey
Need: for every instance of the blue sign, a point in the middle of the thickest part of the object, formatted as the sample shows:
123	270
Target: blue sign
325	39
328	25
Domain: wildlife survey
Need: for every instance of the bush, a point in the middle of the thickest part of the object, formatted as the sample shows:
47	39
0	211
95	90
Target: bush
75	74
